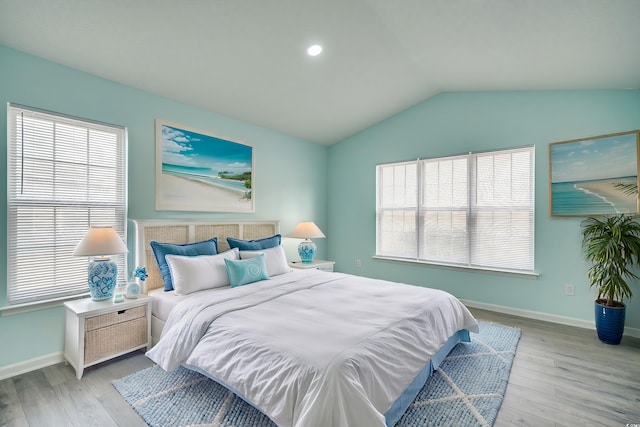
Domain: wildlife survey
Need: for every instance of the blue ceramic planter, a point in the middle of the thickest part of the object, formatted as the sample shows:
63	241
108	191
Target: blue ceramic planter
610	323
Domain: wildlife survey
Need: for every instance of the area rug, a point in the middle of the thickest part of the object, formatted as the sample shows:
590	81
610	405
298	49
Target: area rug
467	390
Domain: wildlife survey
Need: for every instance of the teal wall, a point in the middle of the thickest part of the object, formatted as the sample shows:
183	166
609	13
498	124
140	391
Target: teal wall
454	123
280	163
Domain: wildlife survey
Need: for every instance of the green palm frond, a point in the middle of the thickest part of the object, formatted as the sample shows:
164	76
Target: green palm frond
612	245
628	189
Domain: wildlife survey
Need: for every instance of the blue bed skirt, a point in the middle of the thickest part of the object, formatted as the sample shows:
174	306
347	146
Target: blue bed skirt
401	404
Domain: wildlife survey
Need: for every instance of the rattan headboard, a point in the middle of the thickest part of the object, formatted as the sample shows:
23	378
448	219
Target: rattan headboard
189	231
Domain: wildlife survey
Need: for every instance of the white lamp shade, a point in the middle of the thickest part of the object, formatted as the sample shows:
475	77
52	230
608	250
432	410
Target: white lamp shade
306	230
100	241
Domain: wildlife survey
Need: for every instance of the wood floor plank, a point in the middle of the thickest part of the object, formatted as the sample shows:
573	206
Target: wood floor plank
81	406
11	413
552	409
120	410
39	401
510	417
59	373
135	362
574	374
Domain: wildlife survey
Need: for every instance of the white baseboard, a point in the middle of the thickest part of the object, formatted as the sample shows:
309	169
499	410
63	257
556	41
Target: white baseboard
30	365
536	315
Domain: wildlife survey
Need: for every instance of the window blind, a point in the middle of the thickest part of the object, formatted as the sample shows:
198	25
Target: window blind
65	175
474	210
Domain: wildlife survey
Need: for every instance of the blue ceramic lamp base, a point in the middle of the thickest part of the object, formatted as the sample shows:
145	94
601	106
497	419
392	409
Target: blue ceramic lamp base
307	251
103	275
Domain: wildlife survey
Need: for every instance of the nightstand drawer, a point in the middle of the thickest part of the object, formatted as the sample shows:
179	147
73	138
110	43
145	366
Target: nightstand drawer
108	319
114	339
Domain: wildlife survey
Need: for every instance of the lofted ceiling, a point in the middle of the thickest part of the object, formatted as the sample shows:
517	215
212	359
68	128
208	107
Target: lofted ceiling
247	59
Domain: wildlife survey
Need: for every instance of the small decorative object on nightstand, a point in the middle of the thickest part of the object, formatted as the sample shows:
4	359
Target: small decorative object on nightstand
133	288
118	297
306	248
99	243
317	265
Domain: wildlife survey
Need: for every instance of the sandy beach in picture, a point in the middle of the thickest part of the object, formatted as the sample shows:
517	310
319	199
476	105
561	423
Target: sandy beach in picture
180	191
608	191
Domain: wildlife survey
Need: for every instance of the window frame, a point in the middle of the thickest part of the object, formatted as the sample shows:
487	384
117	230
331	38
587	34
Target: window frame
91	208
472	208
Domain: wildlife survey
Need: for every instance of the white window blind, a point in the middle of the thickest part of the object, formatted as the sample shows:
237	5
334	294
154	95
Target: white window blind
474	210
64	175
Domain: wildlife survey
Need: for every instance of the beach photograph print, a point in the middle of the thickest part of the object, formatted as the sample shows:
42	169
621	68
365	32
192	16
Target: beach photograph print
197	171
595	176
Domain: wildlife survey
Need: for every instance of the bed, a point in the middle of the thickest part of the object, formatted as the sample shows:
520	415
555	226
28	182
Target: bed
305	347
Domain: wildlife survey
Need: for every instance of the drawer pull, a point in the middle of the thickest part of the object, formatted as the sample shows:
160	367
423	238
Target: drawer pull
121	311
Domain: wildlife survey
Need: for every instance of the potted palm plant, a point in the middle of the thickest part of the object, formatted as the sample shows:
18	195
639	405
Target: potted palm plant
612	245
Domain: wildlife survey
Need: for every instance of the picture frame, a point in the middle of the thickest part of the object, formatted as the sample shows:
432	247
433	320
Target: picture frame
200	171
594	176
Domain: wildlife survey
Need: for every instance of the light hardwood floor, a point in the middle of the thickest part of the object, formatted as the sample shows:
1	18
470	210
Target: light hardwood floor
561	376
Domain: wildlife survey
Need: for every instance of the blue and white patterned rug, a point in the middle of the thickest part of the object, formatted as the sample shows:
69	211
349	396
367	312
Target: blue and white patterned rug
467	390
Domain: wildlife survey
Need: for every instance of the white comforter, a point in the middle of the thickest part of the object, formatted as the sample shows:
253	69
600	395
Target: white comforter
311	348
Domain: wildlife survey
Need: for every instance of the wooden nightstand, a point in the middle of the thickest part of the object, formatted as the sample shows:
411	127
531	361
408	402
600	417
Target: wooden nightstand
317	264
96	331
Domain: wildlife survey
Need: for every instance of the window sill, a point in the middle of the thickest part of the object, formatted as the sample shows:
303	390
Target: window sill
10	310
499	272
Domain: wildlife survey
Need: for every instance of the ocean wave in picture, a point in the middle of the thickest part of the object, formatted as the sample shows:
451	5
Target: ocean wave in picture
201	175
595	197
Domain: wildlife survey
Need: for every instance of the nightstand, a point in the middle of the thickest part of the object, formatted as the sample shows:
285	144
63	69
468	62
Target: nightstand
97	331
317	264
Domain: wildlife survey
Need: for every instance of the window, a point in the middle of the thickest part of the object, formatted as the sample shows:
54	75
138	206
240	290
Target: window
64	175
474	210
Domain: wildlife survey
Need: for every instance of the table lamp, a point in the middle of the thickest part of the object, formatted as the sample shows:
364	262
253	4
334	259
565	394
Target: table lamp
306	248
98	244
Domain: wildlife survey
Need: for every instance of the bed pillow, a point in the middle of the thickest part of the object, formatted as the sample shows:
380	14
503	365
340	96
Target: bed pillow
160	250
196	273
245	271
274	258
254	245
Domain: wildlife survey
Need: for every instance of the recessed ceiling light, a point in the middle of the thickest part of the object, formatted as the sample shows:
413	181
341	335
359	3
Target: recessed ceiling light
314	50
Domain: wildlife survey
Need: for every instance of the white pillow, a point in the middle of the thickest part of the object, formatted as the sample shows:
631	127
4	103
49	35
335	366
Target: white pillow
274	258
196	273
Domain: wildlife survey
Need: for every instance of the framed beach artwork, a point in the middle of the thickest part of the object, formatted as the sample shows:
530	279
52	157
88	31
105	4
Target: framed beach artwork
199	171
594	176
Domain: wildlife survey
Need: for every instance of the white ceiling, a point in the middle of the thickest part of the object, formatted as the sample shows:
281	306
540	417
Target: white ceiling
247	58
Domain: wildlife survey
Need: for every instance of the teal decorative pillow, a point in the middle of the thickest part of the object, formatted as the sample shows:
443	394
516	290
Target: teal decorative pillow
255	245
245	271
